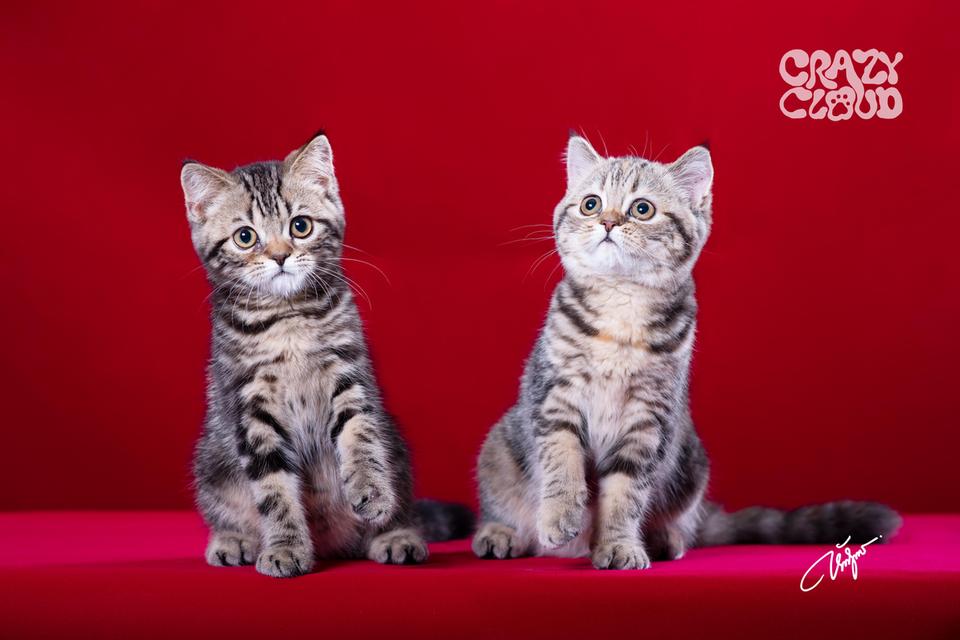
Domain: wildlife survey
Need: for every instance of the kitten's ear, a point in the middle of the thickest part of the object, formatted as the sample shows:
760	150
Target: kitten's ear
693	173
581	158
202	185
313	162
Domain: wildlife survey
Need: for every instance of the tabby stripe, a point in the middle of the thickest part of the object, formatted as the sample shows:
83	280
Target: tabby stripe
249	328
267	418
348	352
215	250
687	238
343	384
269	504
261	465
330	227
621	464
545	428
579	295
342	418
575	318
516	452
670	314
675	341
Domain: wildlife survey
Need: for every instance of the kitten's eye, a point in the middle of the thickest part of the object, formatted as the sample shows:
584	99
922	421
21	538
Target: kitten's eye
642	209
590	205
245	237
301	226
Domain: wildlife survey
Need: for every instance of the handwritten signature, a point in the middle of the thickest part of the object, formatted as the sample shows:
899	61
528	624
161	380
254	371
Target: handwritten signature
839	562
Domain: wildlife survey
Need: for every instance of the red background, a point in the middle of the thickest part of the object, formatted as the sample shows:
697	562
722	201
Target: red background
825	364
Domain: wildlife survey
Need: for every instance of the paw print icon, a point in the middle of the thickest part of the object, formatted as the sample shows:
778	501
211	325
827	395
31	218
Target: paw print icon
840	103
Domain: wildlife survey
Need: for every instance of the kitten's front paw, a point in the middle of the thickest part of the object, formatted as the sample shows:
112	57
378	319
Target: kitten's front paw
285	562
559	522
620	554
403	546
371	499
230	550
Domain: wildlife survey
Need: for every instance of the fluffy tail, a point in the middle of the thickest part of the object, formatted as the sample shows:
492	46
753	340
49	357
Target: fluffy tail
441	521
828	523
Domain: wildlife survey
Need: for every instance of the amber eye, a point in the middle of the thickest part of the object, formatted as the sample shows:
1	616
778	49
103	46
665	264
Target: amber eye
590	205
301	226
642	209
245	237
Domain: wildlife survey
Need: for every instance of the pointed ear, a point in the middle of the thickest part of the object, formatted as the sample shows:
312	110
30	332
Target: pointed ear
313	162
202	185
693	173
581	158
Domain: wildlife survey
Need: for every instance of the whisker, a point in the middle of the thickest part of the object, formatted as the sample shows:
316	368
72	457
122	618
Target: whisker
537	263
348	281
369	264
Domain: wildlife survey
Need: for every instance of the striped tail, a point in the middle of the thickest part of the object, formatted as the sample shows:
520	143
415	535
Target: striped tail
439	521
828	523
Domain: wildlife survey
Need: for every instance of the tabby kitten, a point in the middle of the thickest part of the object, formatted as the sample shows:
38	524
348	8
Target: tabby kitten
298	457
599	456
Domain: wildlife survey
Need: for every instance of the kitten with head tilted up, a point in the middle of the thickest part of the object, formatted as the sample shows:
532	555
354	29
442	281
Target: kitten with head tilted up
599	455
298	458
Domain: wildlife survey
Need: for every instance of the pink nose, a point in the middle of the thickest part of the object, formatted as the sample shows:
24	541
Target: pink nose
611	219
279	258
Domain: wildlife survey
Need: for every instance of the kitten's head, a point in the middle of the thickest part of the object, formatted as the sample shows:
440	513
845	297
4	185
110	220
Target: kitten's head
267	230
633	218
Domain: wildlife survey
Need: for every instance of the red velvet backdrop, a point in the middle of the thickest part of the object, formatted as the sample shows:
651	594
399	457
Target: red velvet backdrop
825	363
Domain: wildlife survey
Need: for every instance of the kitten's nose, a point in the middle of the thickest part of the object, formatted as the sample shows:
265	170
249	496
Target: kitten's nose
611	219
279	258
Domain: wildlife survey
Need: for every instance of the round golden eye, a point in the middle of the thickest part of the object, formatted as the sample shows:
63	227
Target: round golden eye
590	205
301	226
245	237
642	209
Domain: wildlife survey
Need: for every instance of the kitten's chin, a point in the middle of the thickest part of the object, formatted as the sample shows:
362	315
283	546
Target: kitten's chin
608	260
285	285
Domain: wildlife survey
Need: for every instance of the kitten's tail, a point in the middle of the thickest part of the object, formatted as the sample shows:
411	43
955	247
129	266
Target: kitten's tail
828	523
439	521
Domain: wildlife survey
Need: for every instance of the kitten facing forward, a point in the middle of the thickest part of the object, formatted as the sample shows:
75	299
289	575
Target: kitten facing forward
599	456
298	458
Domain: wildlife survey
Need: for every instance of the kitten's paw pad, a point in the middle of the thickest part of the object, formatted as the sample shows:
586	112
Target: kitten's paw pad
230	550
373	501
622	554
403	546
495	540
559	524
285	562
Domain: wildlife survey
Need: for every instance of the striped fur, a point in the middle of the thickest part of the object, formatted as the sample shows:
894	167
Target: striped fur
297	458
599	456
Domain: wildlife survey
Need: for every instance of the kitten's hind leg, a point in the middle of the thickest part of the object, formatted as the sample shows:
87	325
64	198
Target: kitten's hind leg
507	501
229	511
230	549
398	546
226	504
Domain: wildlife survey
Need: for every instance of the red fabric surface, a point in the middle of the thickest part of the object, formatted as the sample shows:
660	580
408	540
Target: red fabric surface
827	341
142	575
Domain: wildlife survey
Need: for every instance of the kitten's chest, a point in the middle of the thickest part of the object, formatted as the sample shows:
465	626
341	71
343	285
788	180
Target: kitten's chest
606	405
295	383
